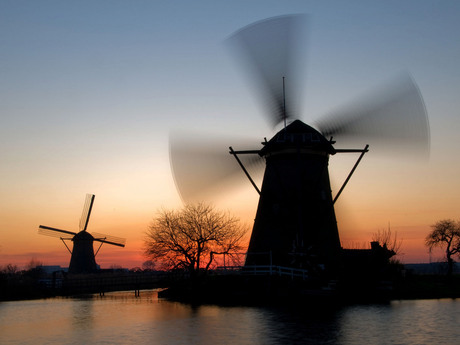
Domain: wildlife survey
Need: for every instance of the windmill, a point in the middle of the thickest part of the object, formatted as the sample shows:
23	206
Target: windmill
83	258
295	223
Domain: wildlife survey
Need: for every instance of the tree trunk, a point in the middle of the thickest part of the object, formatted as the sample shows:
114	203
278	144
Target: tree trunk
450	265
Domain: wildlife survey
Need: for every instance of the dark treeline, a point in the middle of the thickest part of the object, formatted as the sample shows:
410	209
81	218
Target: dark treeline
22	284
35	282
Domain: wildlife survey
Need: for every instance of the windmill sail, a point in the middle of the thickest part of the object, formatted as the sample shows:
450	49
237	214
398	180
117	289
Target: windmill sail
86	211
113	240
271	50
53	232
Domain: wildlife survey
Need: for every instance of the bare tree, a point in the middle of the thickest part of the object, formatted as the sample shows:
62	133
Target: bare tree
191	238
33	264
9	269
446	233
388	240
148	265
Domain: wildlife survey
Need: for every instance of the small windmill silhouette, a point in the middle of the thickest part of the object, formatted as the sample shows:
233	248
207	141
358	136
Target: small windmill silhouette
83	258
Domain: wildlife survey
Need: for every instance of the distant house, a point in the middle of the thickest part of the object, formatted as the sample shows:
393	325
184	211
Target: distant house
366	263
53	268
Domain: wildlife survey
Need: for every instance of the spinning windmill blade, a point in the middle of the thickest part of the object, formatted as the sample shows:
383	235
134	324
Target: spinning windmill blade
393	118
270	50
203	169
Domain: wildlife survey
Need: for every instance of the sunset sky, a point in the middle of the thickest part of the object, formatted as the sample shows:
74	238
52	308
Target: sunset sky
90	91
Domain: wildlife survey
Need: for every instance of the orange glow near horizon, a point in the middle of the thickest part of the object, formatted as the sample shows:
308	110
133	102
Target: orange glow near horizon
364	208
51	251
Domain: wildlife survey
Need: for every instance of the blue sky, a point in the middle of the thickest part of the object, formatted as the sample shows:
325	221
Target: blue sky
89	92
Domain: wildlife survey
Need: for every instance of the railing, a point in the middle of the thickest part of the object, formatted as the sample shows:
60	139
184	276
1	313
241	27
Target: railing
264	270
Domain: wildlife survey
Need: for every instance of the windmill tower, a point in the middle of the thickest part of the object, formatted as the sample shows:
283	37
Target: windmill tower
83	258
295	223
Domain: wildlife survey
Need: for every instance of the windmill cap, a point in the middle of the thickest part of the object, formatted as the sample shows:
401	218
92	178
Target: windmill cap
298	135
83	236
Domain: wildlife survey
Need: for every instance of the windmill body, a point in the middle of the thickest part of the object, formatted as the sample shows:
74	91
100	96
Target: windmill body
83	258
295	223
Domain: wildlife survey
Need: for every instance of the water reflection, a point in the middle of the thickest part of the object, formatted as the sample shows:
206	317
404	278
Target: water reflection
402	322
120	318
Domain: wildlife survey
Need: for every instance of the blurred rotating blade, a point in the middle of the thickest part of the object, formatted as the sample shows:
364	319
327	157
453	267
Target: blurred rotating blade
393	120
270	50
203	169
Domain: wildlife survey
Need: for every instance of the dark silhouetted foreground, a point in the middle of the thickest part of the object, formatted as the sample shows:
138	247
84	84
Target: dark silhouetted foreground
238	286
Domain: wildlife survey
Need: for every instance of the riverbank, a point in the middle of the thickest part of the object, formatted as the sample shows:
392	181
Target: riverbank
22	287
427	287
239	290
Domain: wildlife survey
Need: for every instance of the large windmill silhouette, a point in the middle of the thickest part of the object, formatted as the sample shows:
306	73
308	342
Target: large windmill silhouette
295	223
83	258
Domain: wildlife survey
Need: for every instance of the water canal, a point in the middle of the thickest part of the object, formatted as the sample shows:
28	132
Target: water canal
122	318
